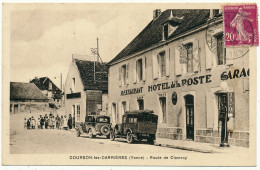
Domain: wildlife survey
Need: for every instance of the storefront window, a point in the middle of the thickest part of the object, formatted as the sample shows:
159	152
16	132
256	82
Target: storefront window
114	112
78	112
140	104
163	109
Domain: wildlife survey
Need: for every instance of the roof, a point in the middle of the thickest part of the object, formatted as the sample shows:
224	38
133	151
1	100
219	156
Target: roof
152	33
25	91
140	112
86	71
43	84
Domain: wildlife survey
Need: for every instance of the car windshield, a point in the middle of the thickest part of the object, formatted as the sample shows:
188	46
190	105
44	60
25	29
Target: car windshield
103	120
132	118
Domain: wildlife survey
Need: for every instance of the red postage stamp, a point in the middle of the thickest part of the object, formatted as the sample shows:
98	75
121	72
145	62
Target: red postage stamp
240	25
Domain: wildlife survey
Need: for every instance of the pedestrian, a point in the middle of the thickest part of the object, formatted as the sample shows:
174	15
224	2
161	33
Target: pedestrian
73	121
52	122
41	122
57	121
28	123
61	122
38	123
65	122
25	123
46	122
33	123
70	122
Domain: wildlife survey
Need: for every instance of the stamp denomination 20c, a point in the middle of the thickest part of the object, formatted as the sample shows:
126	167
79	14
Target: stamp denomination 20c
240	25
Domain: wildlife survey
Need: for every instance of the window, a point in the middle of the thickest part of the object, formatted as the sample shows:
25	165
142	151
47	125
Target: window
189	59
161	62
221	51
139	69
165	31
73	84
103	120
114	112
123	108
73	110
78	112
132	119
163	109
140	104
123	74
50	86
216	12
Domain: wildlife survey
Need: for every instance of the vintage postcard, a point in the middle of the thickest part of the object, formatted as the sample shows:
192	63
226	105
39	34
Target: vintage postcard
129	84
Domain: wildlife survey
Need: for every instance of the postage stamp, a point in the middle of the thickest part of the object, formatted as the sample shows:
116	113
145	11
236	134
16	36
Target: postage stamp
240	25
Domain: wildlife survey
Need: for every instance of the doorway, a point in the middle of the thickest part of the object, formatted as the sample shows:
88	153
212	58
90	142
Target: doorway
189	107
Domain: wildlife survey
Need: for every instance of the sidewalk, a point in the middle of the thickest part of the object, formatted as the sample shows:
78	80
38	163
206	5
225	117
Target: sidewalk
197	146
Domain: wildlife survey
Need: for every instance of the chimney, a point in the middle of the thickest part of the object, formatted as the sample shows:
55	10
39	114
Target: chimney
156	13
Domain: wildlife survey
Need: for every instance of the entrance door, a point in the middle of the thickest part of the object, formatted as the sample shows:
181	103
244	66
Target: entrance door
223	116
15	108
189	104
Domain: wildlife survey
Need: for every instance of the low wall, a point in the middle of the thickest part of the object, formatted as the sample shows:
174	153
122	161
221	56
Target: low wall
235	138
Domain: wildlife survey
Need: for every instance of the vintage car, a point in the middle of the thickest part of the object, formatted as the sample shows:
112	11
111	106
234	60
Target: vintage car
94	125
136	125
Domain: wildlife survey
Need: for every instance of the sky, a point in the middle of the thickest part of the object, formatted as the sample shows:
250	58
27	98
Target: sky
44	37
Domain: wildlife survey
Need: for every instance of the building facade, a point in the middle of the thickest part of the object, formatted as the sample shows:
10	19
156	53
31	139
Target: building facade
26	98
49	89
179	68
86	89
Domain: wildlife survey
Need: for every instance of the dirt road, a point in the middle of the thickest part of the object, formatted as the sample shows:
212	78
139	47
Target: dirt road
47	141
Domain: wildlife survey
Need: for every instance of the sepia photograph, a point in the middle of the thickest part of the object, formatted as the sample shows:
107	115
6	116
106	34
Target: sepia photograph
129	84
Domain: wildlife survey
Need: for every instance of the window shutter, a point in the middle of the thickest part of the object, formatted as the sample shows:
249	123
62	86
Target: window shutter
118	112
134	72
155	66
128	106
144	67
210	112
127	73
120	77
245	84
178	66
229	56
196	56
209	57
167	63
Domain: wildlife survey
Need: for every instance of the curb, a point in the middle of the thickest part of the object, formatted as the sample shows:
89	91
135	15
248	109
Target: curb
185	148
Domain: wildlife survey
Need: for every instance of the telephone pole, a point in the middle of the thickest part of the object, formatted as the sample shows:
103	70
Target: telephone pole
97	51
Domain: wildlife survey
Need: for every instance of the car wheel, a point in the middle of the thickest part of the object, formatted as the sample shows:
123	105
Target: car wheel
129	137
90	133
104	130
112	135
150	140
77	133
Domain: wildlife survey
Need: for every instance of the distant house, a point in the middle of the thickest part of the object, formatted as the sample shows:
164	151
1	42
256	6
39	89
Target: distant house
49	89
26	97
86	89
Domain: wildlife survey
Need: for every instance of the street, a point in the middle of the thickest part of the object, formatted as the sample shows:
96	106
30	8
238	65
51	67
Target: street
55	141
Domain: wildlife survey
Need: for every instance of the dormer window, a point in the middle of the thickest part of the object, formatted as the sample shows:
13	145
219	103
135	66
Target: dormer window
170	25
165	32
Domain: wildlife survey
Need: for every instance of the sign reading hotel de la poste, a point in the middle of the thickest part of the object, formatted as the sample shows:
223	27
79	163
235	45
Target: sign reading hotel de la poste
237	73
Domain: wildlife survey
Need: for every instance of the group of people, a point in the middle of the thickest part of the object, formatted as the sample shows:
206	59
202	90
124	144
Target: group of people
50	122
